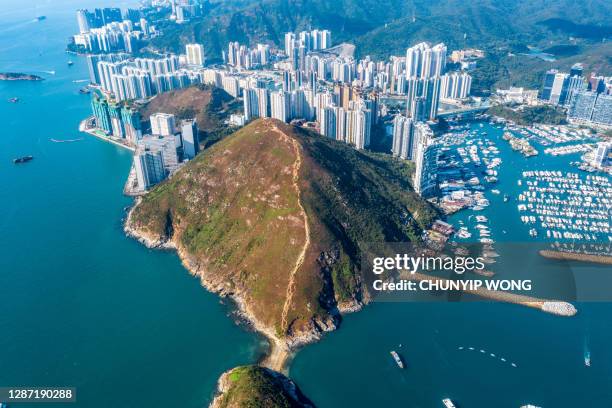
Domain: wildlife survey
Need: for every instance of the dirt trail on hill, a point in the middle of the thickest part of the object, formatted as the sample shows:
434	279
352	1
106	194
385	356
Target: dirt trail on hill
279	353
297	165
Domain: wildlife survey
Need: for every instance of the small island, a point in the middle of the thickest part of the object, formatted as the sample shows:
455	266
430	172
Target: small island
16	76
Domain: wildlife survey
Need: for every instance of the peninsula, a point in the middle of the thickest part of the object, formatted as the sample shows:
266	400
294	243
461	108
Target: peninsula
273	216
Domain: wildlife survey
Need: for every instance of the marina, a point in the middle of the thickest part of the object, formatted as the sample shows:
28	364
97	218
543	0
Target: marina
571	209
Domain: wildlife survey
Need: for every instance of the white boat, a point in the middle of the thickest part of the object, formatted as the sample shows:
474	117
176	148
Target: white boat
397	359
448	403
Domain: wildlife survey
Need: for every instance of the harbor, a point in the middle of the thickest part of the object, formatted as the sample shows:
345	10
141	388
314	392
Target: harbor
494	183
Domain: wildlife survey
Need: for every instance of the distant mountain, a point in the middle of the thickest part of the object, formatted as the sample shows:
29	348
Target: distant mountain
275	216
387	27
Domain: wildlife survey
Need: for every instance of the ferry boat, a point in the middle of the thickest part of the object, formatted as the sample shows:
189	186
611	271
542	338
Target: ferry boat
397	358
448	403
587	358
23	159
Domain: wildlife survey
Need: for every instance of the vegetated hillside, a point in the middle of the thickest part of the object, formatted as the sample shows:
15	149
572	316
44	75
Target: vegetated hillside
275	216
387	27
529	115
253	386
209	105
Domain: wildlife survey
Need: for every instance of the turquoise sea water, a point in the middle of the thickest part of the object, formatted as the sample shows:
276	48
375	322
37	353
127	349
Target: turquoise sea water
547	350
84	306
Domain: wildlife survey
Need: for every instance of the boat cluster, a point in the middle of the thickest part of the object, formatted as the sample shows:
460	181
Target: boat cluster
464	159
568	149
566	206
547	134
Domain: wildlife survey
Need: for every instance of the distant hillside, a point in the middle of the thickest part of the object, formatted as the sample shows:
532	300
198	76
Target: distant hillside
275	216
209	105
387	27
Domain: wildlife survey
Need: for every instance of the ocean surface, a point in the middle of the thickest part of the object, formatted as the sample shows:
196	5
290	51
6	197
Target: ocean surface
84	306
352	367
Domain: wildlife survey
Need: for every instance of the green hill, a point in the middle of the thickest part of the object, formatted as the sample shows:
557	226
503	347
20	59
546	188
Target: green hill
252	386
275	216
210	106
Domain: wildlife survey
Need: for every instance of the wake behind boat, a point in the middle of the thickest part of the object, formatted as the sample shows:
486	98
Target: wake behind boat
587	358
66	140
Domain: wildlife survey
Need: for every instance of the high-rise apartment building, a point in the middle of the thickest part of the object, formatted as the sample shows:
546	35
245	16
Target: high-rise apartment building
163	124
195	54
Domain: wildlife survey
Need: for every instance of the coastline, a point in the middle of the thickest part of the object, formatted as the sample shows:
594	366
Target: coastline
83	128
280	350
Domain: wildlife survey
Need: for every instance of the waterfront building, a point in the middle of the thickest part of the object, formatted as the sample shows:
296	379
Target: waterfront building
425	159
83	21
163	124
149	160
99	107
591	107
403	129
423	98
195	54
559	88
190	139
132	123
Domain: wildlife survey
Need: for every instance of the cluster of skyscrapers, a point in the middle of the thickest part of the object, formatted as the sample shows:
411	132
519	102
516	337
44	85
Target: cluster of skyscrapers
125	78
116	118
344	113
414	140
240	56
298	45
589	100
110	30
159	154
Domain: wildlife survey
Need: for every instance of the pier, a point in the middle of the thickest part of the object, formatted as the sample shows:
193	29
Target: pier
575	256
